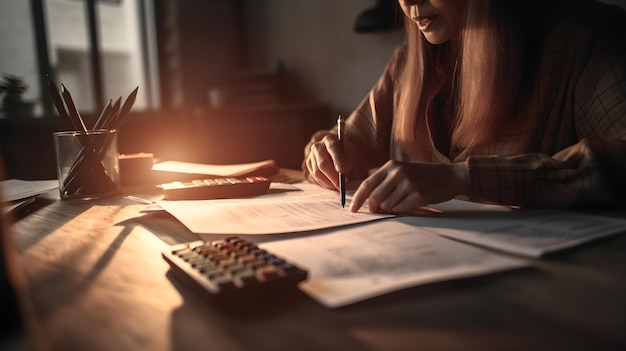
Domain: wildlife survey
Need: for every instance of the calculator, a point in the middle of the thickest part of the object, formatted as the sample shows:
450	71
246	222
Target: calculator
215	188
232	268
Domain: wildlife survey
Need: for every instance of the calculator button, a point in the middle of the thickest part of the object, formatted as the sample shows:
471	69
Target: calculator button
196	245
227	262
236	268
209	270
224	283
216	274
206	264
267	272
196	260
188	255
248	258
207	251
246	277
275	260
256	263
182	251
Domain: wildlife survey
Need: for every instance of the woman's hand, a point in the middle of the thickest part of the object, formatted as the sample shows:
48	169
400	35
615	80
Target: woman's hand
324	162
399	187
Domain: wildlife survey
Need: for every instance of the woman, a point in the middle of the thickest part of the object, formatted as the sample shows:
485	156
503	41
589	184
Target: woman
514	102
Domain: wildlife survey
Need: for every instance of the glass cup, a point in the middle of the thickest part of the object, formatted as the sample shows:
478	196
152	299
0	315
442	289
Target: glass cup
87	164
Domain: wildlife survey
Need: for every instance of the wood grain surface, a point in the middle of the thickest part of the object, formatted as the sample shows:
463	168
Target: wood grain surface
96	281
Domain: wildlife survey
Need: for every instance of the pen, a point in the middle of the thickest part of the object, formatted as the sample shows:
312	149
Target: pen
342	177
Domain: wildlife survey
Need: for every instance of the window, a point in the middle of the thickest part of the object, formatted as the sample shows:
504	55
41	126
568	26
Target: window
99	50
18	56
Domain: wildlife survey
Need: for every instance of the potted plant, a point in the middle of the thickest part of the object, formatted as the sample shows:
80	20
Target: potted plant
13	105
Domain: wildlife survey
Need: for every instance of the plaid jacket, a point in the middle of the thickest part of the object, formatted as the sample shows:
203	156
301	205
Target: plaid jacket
566	145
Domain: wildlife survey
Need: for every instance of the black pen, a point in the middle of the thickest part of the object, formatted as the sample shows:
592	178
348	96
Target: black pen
342	177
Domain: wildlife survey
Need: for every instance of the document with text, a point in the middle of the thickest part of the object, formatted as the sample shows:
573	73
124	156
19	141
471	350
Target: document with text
307	207
527	232
356	263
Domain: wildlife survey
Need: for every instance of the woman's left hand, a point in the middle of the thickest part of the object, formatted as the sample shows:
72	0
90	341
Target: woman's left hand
399	187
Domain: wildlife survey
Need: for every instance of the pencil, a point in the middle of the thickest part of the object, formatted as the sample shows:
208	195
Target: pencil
104	114
58	102
342	176
73	110
88	169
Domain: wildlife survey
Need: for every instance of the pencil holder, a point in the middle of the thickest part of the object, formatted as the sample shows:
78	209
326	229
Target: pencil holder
87	163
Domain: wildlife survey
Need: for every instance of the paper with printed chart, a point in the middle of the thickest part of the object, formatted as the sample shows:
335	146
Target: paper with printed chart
352	264
526	232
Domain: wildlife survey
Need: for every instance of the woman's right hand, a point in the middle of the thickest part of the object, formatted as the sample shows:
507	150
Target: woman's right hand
324	162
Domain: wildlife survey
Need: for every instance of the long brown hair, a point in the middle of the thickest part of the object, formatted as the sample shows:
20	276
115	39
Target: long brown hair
487	74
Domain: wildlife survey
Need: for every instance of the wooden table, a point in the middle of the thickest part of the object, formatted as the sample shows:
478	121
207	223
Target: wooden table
96	281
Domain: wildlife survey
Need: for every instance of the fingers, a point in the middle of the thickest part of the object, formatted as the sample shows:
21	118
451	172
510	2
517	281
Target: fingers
323	162
397	187
384	193
316	166
335	150
393	199
313	171
383	189
365	189
411	202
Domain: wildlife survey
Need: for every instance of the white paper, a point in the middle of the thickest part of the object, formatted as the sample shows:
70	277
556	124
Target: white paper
17	189
530	233
356	263
229	170
525	232
311	208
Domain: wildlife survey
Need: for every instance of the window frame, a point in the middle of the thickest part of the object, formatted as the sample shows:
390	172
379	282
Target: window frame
149	54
